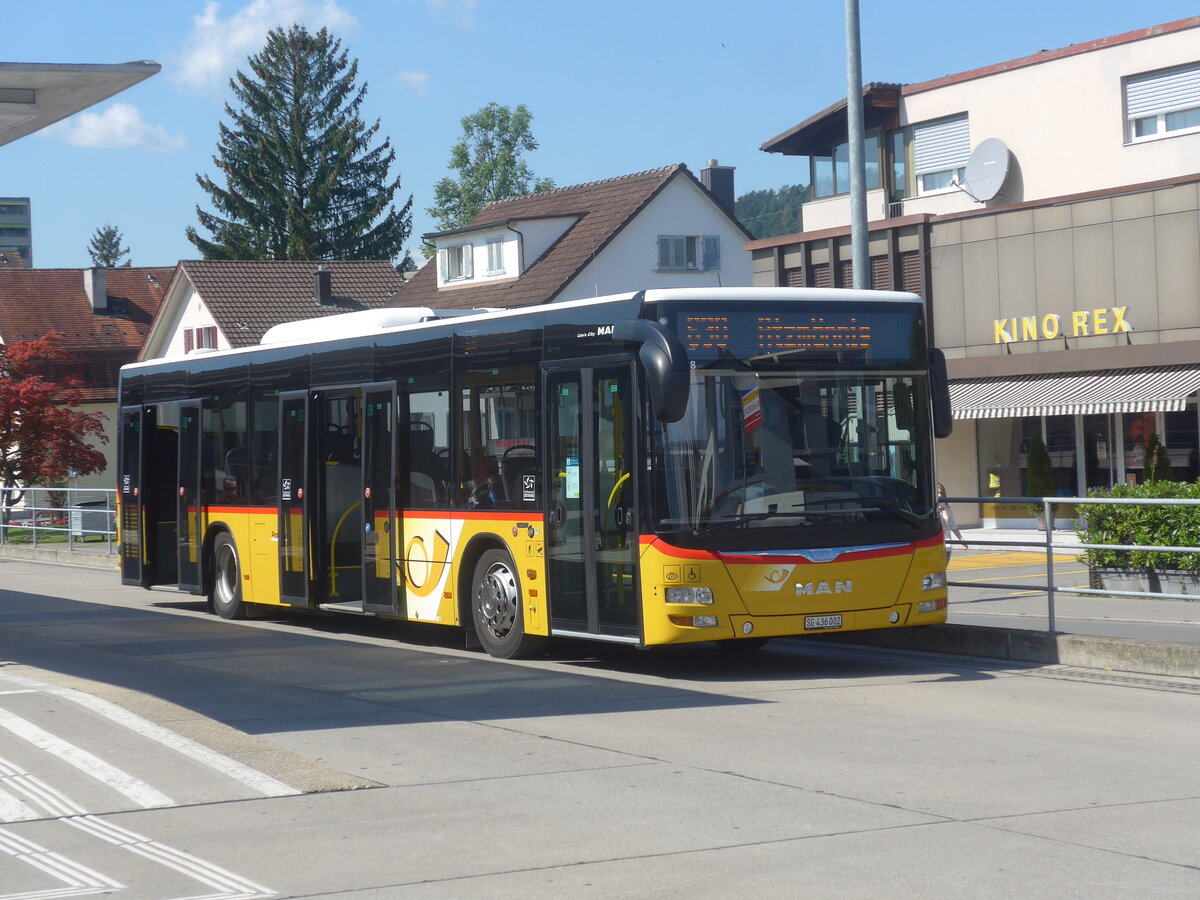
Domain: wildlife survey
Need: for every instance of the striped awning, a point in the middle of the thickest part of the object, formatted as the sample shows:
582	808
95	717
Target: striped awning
1161	389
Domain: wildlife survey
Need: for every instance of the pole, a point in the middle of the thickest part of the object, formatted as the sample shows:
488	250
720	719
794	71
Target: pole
860	263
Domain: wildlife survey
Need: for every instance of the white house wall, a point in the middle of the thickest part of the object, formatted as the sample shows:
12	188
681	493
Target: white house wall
1064	120
195	314
630	261
538	234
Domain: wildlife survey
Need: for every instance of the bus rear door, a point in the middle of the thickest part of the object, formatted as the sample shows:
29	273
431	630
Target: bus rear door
187	515
379	426
592	543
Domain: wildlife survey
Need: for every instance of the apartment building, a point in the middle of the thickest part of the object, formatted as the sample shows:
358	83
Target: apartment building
1048	210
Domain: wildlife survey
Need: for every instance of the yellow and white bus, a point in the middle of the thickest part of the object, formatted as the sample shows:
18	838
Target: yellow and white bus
660	467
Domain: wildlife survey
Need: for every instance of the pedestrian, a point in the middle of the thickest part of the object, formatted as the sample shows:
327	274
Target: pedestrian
949	523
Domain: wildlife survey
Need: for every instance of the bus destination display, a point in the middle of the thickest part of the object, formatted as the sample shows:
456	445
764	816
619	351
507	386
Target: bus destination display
749	336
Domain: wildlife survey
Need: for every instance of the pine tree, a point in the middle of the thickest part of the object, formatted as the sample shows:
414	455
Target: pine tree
302	180
105	247
489	163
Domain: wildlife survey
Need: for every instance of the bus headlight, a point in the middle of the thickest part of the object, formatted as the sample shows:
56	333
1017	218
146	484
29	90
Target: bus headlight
933	581
690	595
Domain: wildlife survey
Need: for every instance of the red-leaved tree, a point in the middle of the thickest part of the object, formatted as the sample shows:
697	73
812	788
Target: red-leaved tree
41	437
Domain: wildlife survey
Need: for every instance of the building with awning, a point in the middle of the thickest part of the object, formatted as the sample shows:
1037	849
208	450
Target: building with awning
1048	210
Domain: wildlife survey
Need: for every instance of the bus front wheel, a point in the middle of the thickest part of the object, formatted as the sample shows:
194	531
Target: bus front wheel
496	608
226	592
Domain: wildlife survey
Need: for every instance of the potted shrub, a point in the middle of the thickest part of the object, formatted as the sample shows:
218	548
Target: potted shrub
1040	476
1157	571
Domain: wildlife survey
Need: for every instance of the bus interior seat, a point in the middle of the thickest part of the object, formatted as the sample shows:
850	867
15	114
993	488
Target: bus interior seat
517	461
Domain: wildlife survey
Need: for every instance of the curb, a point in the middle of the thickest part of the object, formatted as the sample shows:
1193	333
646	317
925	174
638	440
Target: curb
90	559
1083	650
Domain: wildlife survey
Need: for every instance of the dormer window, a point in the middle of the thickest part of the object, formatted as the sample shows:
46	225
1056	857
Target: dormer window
495	250
457	262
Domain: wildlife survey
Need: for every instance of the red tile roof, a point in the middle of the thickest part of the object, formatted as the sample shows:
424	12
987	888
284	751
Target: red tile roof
246	297
603	207
34	302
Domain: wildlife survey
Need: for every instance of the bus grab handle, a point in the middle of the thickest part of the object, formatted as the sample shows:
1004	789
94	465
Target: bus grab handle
665	363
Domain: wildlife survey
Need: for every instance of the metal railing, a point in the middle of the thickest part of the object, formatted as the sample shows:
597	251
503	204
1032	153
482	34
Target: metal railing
60	517
1048	504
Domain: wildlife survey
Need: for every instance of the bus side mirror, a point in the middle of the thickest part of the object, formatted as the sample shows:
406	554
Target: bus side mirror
665	363
939	391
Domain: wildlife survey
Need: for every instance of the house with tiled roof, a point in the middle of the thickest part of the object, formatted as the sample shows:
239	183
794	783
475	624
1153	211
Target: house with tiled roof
103	316
656	229
223	304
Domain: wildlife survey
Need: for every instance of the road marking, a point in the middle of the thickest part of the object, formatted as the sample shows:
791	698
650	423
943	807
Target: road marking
135	789
240	772
229	885
1034	575
78	879
1006	560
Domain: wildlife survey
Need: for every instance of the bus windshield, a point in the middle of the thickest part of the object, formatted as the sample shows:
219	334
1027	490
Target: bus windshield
772	449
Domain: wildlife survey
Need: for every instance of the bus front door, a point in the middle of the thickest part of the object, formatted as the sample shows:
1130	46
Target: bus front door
294	502
591	516
379	423
134	532
187	515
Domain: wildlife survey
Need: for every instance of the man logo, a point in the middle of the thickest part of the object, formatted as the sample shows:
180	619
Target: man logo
823	587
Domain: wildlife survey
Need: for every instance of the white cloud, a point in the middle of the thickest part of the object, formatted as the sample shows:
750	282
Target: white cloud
418	82
118	127
216	47
462	12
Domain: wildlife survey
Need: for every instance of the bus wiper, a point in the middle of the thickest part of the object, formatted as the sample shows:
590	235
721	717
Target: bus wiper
888	506
730	523
892	507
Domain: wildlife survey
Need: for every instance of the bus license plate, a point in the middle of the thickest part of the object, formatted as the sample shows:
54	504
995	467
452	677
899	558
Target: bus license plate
818	623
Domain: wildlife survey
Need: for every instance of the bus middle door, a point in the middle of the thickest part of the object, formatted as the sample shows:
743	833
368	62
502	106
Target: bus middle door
591	522
380	423
295	504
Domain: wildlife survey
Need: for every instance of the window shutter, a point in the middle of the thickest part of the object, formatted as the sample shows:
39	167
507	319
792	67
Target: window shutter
187	340
822	276
793	277
1163	92
881	273
210	337
441	265
941	145
910	267
468	262
664	253
847	268
712	252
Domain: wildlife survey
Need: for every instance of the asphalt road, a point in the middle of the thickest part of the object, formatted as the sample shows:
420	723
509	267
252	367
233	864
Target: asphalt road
148	750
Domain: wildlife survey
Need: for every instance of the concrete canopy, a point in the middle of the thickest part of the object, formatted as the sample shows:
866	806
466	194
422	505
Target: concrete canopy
34	95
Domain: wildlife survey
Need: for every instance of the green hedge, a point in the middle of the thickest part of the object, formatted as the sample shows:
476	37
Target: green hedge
1163	526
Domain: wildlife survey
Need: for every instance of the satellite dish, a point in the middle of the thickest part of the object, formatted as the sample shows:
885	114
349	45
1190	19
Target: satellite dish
986	170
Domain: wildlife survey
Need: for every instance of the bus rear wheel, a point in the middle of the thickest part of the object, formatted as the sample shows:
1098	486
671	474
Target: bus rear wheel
496	608
225	595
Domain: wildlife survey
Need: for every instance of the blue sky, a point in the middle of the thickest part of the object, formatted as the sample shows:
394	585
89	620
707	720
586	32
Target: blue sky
615	87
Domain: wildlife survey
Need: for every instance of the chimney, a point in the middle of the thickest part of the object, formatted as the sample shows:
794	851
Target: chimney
323	287
719	181
95	283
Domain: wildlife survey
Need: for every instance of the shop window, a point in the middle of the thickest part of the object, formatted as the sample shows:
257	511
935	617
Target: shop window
1183	443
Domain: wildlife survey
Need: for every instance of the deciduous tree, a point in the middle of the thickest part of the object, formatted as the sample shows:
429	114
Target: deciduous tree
302	180
41	437
490	165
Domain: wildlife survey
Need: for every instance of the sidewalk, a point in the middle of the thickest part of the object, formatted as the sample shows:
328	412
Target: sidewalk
93	554
1004	538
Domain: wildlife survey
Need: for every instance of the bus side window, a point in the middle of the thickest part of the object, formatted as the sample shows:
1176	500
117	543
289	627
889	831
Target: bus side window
498	440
